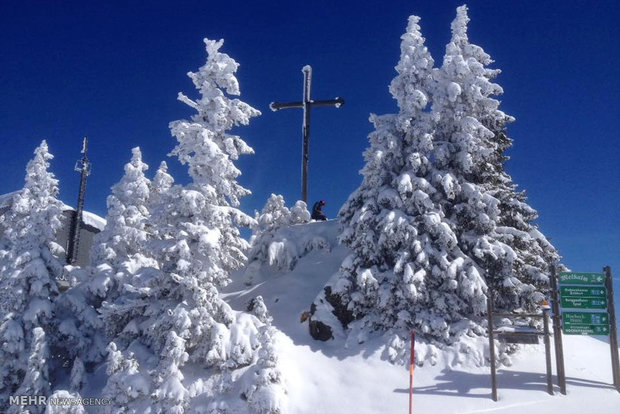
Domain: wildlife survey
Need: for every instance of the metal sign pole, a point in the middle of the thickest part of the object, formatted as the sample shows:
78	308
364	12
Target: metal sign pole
613	334
557	332
547	348
492	344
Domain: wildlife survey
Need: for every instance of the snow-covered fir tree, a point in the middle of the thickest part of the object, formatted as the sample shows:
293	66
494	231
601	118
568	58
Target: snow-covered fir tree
406	269
124	233
272	217
268	245
115	252
29	282
275	214
161	184
299	213
493	222
425	227
169	314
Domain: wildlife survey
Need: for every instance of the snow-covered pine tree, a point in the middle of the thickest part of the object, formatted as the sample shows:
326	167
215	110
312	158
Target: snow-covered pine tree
172	314
493	223
299	213
406	269
274	215
268	245
114	254
124	233
29	281
161	184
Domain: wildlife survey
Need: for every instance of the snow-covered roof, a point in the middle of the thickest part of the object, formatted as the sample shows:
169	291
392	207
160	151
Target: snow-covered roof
5	199
88	218
94	220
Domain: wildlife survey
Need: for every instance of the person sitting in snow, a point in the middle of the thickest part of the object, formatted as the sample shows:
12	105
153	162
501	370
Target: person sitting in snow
317	214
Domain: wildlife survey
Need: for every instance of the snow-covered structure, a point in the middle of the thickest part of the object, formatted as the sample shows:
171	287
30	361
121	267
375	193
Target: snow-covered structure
91	225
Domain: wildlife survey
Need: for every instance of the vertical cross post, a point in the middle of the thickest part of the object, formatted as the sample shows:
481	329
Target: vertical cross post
306	104
307	70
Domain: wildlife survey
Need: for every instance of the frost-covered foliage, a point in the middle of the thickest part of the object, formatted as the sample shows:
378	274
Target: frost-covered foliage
275	214
124	233
171	329
299	213
161	184
268	244
31	267
436	219
265	392
114	255
493	223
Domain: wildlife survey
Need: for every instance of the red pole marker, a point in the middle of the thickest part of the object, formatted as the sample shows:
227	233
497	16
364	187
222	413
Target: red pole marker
412	362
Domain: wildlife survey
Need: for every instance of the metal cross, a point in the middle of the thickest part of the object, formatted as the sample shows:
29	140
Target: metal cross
306	104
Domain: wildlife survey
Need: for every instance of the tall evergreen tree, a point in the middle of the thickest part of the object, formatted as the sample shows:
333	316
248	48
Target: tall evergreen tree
124	233
406	269
493	222
29	281
115	252
436	219
172	310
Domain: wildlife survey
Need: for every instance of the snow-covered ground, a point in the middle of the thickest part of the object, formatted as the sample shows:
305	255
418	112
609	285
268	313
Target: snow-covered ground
329	378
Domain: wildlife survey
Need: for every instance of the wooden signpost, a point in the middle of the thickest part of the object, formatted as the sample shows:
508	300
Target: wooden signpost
518	335
587	301
587	308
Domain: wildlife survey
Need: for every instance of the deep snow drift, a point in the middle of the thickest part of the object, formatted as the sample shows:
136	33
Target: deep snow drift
338	377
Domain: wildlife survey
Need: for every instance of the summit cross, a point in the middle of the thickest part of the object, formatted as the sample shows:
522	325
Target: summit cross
306	104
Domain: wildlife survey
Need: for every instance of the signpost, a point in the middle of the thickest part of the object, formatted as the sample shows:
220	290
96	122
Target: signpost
588	309
579	294
516	334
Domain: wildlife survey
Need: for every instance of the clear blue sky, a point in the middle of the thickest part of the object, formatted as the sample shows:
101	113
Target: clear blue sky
112	70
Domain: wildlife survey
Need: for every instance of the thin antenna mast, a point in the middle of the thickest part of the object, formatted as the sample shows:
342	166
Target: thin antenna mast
83	166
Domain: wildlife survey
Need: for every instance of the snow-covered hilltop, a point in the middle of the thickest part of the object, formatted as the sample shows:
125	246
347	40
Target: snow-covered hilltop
175	312
344	375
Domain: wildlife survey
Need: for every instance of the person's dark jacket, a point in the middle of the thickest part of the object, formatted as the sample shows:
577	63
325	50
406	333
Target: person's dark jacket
317	214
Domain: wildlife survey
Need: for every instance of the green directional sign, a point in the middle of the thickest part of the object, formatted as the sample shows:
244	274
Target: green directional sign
586	330
584	302
577	278
585	323
583	297
581	291
585	318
